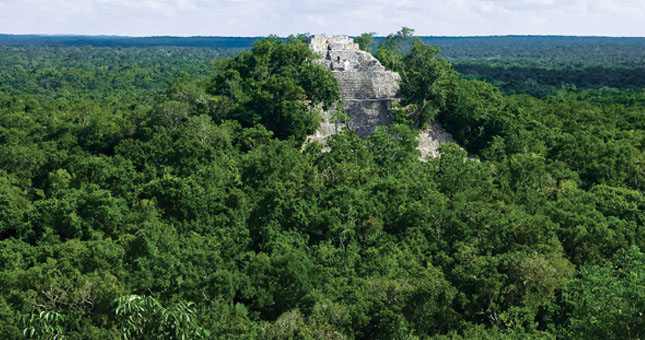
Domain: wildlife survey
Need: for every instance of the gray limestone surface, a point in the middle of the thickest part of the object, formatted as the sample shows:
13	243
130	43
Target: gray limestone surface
367	91
367	88
431	138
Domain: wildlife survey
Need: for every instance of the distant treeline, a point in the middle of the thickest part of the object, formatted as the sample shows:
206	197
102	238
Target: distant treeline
561	49
537	65
542	81
557	50
118	41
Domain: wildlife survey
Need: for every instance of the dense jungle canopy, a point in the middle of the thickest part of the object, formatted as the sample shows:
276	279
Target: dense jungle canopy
151	193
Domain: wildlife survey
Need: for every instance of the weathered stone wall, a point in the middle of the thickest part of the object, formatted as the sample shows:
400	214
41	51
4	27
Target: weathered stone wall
367	91
367	88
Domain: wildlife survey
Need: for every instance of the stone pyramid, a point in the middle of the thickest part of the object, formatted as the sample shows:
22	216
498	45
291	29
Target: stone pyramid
368	90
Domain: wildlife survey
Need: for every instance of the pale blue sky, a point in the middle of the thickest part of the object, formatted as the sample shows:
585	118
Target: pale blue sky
263	17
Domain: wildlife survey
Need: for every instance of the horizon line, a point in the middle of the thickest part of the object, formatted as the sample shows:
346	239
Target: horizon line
61	35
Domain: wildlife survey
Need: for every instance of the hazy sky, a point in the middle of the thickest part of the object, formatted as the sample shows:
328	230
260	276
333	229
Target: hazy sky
284	17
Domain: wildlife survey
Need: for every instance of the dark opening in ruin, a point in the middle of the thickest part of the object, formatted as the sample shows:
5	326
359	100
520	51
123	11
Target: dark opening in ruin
338	59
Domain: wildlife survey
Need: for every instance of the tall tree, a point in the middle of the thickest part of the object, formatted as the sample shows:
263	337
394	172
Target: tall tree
276	84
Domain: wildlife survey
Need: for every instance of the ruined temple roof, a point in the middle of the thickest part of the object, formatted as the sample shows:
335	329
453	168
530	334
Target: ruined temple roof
341	53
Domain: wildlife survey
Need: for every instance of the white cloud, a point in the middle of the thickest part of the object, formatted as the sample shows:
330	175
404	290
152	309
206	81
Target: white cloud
261	17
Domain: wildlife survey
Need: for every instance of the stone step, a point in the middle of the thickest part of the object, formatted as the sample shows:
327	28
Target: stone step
349	60
368	84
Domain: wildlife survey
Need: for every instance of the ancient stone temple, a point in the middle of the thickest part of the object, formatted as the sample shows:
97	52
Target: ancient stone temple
367	92
367	88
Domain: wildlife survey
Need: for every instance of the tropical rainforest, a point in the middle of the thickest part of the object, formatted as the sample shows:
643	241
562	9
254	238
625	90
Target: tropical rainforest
166	192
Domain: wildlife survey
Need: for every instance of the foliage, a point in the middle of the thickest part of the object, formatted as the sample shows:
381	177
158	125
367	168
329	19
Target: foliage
390	52
149	170
607	301
425	78
43	325
145	318
365	41
276	84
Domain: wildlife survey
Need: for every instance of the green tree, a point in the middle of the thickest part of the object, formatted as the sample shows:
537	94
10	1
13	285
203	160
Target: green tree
607	301
143	317
391	51
171	114
43	325
425	82
276	84
365	41
426	79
